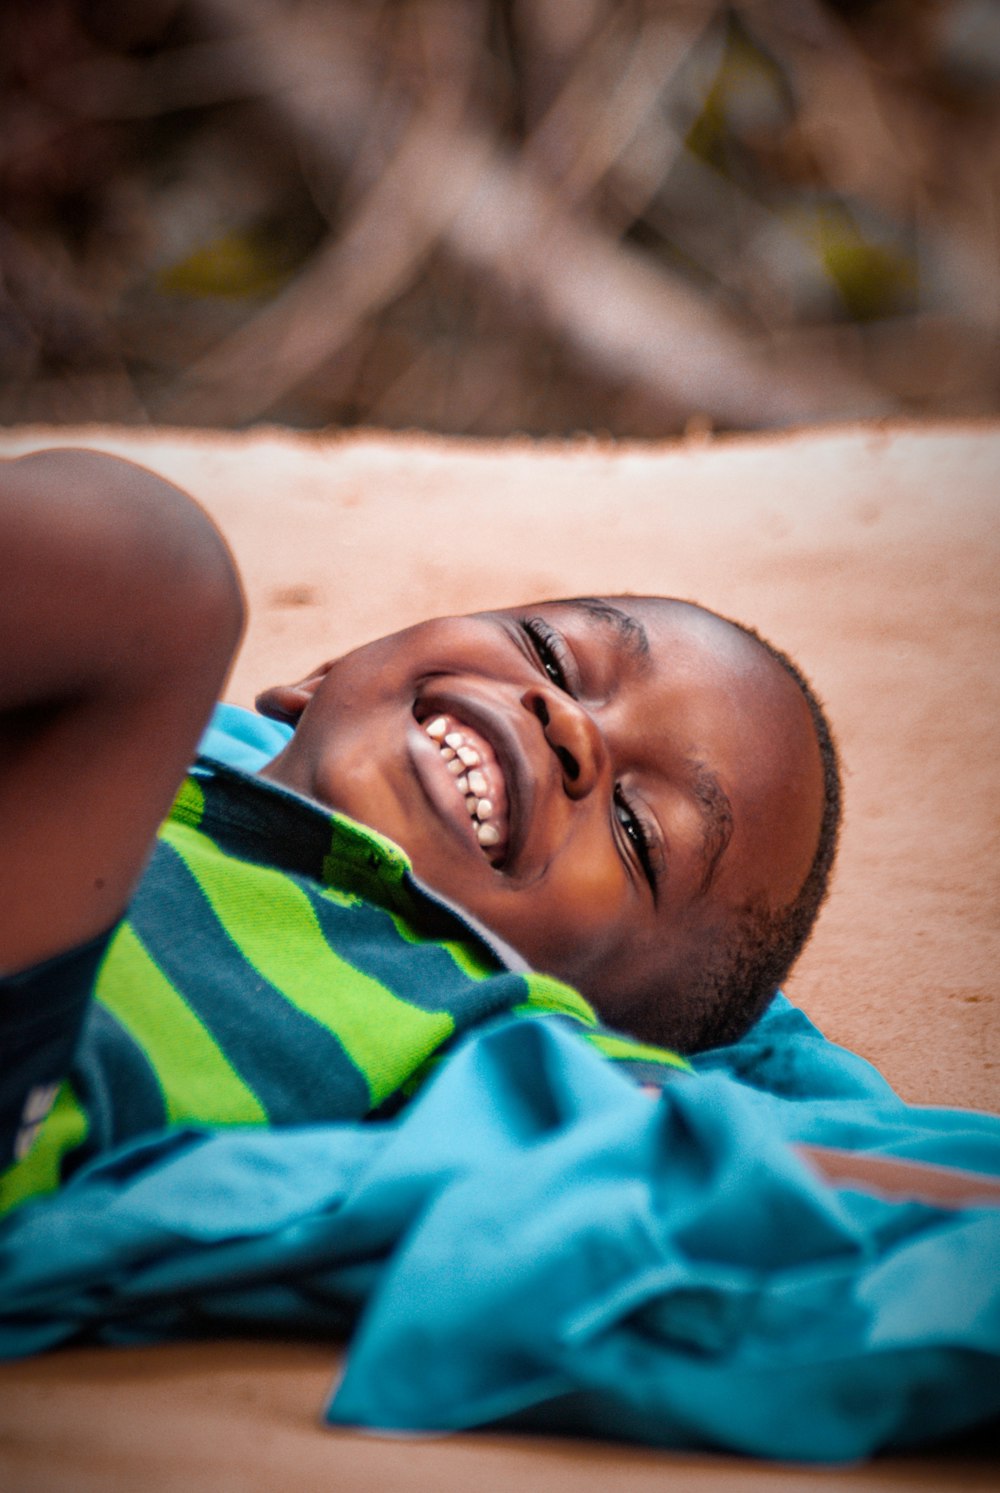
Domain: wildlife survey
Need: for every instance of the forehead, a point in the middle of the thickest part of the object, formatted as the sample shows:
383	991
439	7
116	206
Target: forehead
658	638
617	619
698	690
733	685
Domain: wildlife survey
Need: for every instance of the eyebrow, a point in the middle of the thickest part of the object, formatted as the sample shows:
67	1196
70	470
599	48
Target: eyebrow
716	818
632	636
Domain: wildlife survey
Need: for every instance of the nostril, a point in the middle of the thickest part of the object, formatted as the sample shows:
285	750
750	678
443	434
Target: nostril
541	710
570	765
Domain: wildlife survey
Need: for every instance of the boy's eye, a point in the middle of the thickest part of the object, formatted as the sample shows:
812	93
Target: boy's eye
552	652
636	832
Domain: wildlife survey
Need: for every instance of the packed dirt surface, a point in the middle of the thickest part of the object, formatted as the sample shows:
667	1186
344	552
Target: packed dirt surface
871	555
868	553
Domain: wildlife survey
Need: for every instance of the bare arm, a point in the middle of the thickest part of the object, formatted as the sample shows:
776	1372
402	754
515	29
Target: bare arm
120	611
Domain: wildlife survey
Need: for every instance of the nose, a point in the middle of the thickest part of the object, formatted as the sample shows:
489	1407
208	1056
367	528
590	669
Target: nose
574	736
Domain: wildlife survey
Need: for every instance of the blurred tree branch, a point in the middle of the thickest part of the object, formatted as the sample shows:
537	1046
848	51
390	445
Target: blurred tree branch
450	182
492	214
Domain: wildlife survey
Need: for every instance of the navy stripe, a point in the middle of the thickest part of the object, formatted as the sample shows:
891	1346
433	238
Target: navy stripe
42	1013
297	1067
424	974
258	822
132	1101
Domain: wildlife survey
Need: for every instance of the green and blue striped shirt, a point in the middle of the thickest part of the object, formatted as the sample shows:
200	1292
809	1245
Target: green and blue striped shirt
281	964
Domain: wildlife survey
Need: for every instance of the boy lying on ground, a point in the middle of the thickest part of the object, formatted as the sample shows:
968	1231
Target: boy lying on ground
624	806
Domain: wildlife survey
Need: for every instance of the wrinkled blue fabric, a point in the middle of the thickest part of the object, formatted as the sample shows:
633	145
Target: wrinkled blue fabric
536	1243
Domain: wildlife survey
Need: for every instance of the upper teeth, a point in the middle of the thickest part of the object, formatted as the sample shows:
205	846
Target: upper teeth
463	762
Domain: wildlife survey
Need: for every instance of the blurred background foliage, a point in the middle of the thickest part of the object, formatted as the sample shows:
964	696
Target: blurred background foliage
635	217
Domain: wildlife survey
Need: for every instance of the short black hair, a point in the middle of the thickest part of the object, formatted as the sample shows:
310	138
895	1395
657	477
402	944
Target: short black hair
736	984
719	996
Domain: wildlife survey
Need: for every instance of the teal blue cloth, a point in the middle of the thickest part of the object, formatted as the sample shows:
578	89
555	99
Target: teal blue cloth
536	1243
242	738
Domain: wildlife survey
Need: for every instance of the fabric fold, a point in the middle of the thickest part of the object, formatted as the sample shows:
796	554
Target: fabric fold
536	1242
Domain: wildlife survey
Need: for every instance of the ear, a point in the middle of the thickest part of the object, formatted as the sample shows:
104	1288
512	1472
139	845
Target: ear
286	702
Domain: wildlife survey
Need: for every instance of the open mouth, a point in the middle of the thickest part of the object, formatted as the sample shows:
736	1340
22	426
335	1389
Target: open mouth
472	765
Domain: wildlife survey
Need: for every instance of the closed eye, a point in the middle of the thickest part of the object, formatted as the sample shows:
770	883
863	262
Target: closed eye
551	651
640	836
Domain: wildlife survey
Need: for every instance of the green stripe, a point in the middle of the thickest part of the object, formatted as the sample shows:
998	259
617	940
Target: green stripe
189	805
198	1081
275	928
365	862
546	993
640	1052
40	1171
551	995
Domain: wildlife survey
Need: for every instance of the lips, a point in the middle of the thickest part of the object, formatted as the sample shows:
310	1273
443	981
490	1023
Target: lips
476	778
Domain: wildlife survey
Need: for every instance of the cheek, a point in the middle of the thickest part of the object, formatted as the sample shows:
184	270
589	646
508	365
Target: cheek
361	679
578	929
353	784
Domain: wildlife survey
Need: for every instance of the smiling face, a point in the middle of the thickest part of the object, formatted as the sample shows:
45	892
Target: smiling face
606	784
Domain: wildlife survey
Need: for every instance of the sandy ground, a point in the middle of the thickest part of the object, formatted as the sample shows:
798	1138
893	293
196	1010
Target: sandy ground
868	553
